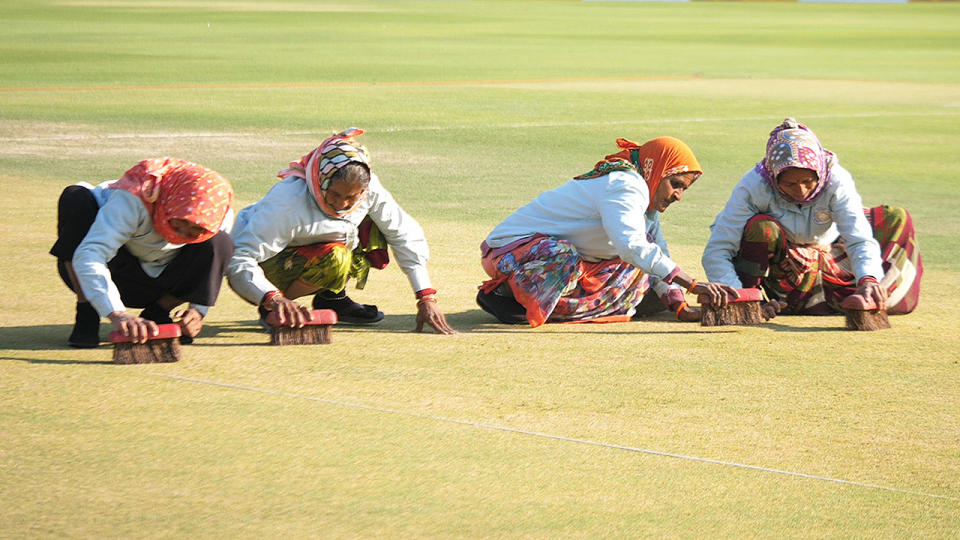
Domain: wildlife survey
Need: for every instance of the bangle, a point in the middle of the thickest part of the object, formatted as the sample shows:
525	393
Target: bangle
683	305
427	298
425	292
693	284
269	297
867	279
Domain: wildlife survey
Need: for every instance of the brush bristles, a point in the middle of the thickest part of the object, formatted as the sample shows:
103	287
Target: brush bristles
308	335
733	314
867	320
152	352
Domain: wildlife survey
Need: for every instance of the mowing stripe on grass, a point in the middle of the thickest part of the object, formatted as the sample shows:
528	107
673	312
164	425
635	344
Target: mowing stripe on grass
517	125
601	444
347	84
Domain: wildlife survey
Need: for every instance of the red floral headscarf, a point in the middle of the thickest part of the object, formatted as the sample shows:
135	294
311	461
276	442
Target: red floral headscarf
172	188
654	160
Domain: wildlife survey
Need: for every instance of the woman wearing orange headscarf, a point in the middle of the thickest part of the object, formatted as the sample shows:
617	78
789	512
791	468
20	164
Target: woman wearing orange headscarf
153	239
589	249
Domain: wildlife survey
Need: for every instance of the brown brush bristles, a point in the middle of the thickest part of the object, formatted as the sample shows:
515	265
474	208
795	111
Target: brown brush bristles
867	320
151	352
733	314
308	335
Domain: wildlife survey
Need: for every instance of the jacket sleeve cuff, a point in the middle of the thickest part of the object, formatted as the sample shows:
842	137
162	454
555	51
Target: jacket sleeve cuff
419	278
672	297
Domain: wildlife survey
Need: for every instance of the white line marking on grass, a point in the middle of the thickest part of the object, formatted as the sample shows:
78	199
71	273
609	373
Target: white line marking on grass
557	437
483	127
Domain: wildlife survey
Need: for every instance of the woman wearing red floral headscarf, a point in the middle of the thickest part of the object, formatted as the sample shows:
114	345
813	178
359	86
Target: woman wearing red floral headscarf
153	239
795	225
589	249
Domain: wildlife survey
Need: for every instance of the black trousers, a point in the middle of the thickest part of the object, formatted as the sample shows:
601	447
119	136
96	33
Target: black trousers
194	275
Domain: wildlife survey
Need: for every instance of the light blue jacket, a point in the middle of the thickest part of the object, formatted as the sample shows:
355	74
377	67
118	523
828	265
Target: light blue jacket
836	213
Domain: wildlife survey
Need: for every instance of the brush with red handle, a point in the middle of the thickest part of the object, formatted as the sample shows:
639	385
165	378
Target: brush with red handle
317	330
162	347
741	311
862	313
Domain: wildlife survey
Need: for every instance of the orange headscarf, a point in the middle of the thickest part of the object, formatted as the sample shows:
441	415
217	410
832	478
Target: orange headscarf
654	160
172	188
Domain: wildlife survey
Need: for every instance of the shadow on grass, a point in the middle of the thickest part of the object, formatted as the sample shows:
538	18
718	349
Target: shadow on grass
481	322
35	338
250	333
777	327
57	362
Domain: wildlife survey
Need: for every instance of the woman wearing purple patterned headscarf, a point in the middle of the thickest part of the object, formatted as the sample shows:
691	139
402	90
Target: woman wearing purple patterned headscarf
795	226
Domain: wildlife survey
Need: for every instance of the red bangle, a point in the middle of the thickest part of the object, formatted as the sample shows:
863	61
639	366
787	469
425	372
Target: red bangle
693	284
427	298
268	297
425	292
679	309
865	279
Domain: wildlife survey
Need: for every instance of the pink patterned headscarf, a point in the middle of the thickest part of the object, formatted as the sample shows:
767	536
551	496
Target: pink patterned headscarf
319	166
792	144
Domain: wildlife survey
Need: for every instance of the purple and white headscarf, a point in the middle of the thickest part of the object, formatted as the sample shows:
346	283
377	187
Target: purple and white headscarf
792	144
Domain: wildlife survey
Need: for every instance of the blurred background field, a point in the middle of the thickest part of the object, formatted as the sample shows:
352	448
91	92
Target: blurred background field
471	109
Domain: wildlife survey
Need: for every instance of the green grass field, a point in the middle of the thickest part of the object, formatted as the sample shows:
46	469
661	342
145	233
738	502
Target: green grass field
649	429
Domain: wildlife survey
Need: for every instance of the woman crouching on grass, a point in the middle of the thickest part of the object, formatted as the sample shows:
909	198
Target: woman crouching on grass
153	239
590	249
328	220
795	226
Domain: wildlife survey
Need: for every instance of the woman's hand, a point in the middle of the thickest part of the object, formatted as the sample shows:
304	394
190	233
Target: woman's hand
771	308
870	289
191	322
136	328
688	314
429	313
289	313
716	294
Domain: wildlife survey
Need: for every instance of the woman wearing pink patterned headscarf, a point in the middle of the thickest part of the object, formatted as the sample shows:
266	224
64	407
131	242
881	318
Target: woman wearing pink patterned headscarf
152	239
327	221
796	227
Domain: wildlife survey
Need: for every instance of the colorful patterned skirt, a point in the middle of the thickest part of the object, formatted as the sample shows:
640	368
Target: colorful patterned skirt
328	266
813	280
553	283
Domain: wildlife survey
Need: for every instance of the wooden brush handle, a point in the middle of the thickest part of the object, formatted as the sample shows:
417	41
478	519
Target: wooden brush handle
746	295
165	331
320	316
856	302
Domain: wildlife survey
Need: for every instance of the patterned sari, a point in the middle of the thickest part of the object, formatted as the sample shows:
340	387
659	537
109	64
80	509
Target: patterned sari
813	280
549	279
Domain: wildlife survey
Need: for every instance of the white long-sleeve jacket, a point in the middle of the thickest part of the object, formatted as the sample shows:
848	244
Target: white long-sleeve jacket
122	220
604	218
837	212
288	216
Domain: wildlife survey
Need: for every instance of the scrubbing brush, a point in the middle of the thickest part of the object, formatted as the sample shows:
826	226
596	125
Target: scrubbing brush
742	311
163	347
862	313
316	331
